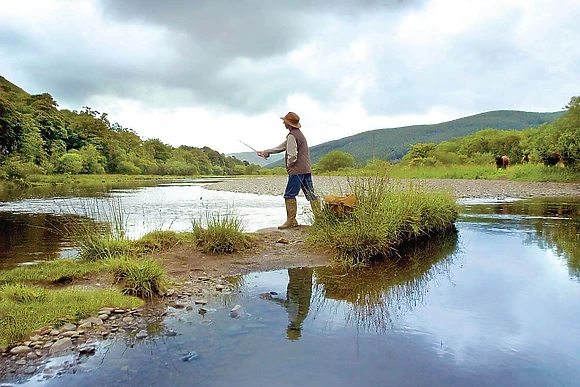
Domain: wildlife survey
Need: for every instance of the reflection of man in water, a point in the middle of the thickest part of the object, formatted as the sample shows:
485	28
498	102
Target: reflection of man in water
297	302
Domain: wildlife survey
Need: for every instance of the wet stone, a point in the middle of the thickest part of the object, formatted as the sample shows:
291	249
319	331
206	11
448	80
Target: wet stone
87	348
71	334
30	370
192	355
141	335
21	349
68	327
236	311
200	302
93	321
61	345
20	362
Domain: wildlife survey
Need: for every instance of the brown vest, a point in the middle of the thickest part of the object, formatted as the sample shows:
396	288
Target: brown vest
302	164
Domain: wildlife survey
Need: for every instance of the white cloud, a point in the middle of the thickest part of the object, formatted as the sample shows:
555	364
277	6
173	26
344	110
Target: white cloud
199	75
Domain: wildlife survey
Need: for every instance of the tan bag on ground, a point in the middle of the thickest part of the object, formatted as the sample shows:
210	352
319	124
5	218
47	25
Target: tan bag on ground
340	205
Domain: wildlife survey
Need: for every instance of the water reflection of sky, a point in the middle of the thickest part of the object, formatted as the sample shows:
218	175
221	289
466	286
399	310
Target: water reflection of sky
169	206
499	306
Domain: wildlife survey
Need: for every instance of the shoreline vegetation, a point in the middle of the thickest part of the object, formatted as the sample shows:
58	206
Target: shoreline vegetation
386	216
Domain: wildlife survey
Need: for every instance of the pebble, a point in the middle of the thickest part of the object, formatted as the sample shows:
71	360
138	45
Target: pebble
141	335
21	349
192	355
236	311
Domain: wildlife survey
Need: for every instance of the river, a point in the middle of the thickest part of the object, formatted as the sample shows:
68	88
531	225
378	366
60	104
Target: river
495	304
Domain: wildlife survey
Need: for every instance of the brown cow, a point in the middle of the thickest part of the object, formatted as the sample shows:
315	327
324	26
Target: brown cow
502	162
552	160
526	159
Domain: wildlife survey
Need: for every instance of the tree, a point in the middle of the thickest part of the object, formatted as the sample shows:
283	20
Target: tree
70	162
335	160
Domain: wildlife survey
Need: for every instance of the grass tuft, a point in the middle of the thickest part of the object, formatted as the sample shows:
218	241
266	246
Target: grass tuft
220	232
98	241
140	277
158	241
385	217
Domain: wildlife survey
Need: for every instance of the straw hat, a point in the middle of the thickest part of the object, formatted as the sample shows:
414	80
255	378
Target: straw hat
292	119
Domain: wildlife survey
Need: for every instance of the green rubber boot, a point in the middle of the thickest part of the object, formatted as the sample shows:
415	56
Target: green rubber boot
291	209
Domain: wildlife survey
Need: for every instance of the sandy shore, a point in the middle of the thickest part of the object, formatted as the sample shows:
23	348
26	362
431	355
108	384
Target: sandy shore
494	189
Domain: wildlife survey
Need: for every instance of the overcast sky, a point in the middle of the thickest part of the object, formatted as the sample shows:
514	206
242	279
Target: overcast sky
207	73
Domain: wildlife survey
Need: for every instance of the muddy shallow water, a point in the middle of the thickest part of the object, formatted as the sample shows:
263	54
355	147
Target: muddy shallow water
495	304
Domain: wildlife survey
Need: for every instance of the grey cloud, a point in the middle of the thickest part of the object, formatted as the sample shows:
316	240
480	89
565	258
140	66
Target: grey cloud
483	69
210	36
207	39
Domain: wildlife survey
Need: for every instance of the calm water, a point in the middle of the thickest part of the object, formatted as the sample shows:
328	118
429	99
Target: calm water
30	224
496	304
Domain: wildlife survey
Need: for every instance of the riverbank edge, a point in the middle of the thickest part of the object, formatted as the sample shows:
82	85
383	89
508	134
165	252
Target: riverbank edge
193	290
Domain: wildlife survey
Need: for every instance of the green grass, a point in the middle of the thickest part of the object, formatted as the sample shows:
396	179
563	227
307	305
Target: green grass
385	217
160	240
220	232
139	277
515	172
59	271
26	308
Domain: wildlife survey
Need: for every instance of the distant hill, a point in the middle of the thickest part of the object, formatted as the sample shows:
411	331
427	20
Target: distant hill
253	158
392	144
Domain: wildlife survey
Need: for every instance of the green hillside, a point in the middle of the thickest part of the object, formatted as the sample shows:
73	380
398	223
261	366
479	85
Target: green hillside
392	144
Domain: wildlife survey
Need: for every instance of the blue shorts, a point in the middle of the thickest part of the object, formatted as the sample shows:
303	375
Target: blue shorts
297	182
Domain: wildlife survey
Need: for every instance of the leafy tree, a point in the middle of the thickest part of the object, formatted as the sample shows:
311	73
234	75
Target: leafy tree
157	149
335	160
92	160
71	163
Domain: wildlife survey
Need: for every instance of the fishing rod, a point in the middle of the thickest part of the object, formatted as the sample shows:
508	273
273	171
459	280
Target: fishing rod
250	147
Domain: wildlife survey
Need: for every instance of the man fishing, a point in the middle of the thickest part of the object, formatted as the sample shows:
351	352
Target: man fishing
298	168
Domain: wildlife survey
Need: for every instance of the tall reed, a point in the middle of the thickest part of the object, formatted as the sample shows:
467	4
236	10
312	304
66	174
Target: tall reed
100	233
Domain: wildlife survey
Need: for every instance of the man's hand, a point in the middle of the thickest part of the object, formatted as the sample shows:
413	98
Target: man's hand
263	154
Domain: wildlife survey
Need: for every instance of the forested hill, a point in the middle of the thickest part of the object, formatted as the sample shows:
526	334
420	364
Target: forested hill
37	137
392	144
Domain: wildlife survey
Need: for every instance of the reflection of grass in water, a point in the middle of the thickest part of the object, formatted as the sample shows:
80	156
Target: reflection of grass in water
377	294
562	237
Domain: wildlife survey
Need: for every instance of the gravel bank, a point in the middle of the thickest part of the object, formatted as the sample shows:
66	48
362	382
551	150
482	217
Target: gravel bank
460	189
